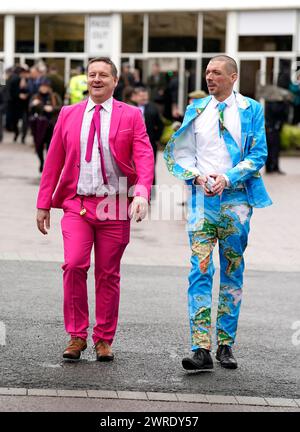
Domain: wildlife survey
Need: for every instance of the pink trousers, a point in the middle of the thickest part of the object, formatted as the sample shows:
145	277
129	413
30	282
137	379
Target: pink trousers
109	238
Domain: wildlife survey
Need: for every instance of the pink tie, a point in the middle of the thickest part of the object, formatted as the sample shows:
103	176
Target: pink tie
95	126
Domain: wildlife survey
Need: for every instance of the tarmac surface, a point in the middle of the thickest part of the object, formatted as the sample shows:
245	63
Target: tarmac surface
152	337
153	332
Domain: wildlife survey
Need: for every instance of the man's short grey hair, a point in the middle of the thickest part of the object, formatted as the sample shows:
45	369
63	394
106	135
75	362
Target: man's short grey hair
231	64
106	60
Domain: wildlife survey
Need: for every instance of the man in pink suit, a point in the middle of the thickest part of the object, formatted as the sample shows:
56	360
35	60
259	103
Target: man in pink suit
100	160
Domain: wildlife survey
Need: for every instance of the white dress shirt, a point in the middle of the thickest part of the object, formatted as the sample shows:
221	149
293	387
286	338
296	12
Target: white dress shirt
142	109
212	155
90	177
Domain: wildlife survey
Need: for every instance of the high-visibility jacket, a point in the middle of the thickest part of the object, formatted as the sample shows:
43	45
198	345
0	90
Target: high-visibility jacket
77	88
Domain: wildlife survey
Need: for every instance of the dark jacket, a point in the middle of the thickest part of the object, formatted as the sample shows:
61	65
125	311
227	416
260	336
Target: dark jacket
154	124
2	99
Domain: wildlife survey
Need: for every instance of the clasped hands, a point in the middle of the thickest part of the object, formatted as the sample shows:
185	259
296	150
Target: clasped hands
216	189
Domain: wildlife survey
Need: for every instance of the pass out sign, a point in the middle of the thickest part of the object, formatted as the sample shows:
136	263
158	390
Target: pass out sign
100	35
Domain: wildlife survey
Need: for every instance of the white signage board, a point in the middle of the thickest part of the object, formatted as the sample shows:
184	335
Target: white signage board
267	23
100	35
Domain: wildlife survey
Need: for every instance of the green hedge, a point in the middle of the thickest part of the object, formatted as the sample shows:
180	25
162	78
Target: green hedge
290	137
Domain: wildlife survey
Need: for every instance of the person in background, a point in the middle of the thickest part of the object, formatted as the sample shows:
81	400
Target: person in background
128	96
294	87
44	107
56	81
13	89
23	102
157	83
153	121
77	87
137	78
126	80
173	89
172	110
196	94
276	114
2	109
18	94
37	75
9	108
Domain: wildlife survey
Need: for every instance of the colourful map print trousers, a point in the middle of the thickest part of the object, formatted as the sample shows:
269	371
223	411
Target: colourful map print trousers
225	219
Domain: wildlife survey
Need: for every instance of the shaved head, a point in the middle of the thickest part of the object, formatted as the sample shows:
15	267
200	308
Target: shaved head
231	65
221	74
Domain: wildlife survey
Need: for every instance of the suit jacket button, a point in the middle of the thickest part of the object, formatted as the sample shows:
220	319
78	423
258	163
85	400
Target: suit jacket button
78	165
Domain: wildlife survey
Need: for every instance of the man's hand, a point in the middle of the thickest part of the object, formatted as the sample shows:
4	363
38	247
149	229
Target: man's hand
220	184
48	108
43	220
138	209
216	189
202	181
35	102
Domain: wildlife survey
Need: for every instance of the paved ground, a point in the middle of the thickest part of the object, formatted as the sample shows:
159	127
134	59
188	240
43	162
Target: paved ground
152	335
153	331
104	405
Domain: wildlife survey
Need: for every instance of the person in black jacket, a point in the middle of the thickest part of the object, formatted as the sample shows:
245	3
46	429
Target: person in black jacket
13	90
44	108
276	114
153	121
2	109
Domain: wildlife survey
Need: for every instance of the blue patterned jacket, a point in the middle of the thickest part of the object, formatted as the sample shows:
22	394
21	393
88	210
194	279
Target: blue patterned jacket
253	151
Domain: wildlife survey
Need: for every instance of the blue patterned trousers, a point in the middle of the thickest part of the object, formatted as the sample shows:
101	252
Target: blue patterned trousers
224	219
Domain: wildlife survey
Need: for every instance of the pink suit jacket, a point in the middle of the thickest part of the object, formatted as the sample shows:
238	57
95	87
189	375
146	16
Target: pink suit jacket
129	145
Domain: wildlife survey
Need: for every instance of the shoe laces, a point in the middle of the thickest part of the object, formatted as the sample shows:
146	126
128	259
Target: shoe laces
75	343
102	344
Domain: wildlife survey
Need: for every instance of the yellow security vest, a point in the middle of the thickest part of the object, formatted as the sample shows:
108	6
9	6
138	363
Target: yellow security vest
77	87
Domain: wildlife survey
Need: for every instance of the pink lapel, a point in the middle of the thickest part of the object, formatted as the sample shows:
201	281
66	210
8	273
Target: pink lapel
117	110
76	126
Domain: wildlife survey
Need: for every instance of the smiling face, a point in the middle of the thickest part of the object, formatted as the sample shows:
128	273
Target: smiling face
101	83
220	79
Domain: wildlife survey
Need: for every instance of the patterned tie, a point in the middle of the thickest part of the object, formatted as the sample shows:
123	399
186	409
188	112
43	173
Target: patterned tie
95	126
232	146
221	108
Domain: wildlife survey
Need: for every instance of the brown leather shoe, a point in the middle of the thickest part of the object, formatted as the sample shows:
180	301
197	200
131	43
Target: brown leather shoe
103	351
74	349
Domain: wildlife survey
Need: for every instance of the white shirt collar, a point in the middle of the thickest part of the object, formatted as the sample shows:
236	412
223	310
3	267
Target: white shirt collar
229	101
107	105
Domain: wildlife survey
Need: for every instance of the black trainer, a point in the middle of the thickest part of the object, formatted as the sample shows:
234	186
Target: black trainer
200	360
225	357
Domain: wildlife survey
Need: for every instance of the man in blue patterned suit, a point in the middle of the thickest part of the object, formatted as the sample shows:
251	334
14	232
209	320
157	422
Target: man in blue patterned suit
219	150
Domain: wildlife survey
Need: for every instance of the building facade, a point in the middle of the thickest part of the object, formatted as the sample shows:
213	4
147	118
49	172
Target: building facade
263	36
